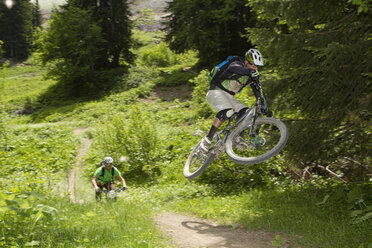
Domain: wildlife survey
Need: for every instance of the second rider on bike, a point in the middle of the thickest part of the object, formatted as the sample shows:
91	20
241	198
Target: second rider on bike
104	176
220	96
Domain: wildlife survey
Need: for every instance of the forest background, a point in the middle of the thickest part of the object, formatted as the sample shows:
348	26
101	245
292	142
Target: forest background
140	92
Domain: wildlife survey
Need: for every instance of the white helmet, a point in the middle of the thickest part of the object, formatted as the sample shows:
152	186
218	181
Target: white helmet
254	57
108	160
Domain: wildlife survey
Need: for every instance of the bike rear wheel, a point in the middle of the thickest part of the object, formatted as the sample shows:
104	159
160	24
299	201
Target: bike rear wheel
197	162
270	140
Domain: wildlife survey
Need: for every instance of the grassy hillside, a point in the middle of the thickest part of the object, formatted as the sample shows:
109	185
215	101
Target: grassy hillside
149	119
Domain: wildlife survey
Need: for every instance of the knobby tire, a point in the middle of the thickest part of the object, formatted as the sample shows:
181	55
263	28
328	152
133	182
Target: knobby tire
203	164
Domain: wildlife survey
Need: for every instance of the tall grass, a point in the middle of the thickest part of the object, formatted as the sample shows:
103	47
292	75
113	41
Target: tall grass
35	158
64	224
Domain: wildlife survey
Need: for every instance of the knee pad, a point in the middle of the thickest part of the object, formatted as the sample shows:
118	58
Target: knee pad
225	114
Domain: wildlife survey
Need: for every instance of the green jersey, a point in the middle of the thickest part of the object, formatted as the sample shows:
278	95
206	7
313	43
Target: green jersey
107	177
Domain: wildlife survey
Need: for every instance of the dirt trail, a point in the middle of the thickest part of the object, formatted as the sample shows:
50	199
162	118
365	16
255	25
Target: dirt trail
75	171
191	232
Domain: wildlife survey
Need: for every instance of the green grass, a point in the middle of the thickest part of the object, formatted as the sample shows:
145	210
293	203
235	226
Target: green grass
22	85
123	224
34	157
61	223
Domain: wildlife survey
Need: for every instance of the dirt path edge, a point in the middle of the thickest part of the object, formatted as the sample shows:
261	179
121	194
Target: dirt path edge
75	170
189	232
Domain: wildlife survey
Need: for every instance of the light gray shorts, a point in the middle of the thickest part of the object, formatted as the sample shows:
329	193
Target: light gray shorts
220	100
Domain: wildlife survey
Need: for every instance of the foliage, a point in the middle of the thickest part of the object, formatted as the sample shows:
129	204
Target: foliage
171	66
1	49
37	18
16	29
200	89
159	56
72	44
324	86
23	219
112	16
33	220
132	140
85	41
32	158
213	28
3	128
145	17
355	197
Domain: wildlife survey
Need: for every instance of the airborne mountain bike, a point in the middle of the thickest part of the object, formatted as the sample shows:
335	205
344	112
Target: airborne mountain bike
249	140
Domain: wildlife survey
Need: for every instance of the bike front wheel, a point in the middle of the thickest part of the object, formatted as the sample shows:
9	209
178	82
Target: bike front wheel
197	162
269	137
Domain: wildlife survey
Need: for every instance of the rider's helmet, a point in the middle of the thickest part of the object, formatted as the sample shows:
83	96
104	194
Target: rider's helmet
254	57
108	160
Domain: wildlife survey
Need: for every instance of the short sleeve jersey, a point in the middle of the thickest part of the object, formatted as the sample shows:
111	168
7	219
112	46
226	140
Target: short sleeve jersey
108	176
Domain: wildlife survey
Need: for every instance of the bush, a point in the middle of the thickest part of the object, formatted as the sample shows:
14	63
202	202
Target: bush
201	86
34	158
131	140
159	56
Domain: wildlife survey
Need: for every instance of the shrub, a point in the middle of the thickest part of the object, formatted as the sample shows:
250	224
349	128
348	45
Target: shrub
132	140
201	86
33	158
159	56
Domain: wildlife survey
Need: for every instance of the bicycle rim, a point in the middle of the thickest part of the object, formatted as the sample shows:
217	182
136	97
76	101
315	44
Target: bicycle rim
197	162
269	141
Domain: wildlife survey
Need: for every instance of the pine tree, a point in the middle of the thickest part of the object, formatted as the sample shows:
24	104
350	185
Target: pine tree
113	18
16	29
84	39
36	15
73	42
213	28
321	52
116	26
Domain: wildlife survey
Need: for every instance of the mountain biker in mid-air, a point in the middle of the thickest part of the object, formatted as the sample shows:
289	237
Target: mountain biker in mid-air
240	73
104	176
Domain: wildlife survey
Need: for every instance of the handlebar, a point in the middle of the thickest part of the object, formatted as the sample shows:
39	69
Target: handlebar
116	190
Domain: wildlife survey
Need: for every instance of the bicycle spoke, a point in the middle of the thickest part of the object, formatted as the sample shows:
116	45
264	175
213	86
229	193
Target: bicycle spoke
262	141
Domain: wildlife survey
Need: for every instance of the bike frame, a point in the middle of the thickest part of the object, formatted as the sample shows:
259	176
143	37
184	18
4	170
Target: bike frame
249	117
